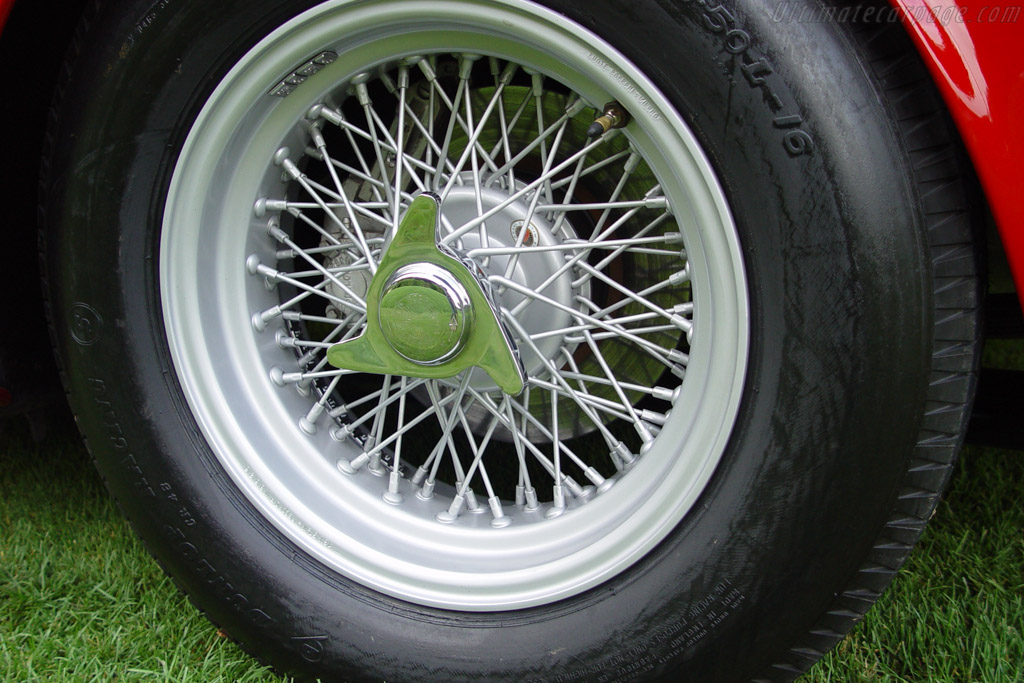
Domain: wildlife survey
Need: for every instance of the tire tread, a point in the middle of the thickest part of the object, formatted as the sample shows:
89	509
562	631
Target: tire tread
947	192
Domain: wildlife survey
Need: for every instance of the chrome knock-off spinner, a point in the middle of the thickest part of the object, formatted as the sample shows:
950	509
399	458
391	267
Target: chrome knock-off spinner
428	314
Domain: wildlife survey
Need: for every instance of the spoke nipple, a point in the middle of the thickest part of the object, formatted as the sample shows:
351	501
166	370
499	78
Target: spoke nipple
445	517
508	73
653	417
375	466
275	231
281	155
608	483
277	376
259	209
341	433
520	495
258	322
392	496
359	461
307	426
317	136
680	277
454	509
427	491
500	520
302	386
362	94
682	323
622	451
575	489
557	503
419	476
663	393
647	446
314	111
346	467
677	356
576	107
595	477
531	499
683	308
252	263
472	504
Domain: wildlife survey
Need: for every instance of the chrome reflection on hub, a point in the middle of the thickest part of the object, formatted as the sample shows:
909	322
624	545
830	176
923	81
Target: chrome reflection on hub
425	313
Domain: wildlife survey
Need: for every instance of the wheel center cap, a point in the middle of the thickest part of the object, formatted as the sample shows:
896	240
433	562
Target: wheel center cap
428	312
425	313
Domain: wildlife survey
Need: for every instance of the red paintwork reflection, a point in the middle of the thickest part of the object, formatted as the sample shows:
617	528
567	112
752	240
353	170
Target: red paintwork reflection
973	50
5	10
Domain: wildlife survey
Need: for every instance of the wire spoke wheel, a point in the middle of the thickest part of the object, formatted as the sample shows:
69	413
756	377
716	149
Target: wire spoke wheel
513	340
609	255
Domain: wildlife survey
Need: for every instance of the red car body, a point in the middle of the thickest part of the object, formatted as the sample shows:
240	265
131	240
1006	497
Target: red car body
972	51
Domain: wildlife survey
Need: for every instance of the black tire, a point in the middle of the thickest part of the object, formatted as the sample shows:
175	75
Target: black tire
843	177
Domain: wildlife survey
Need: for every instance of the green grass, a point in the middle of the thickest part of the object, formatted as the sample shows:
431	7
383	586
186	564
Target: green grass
956	610
81	600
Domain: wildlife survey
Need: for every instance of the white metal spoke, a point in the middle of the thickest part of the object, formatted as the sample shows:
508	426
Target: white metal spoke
579	256
308	186
475	131
644	433
539	141
469	225
545	462
559	380
570	245
510	267
453	108
596	166
671	355
277	233
592	402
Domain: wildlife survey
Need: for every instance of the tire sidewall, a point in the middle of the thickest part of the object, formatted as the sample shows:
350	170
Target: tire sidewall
834	391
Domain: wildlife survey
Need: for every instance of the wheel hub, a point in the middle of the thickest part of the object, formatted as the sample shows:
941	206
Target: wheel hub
429	313
538	270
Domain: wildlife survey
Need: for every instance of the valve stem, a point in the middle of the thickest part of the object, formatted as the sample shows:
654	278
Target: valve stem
613	116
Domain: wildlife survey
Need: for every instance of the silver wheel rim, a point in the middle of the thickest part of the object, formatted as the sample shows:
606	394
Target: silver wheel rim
298	465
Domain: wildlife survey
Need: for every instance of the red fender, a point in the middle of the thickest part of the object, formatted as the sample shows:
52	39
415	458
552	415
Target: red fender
973	52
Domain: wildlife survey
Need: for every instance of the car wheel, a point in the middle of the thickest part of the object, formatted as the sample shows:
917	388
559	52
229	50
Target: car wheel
510	341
